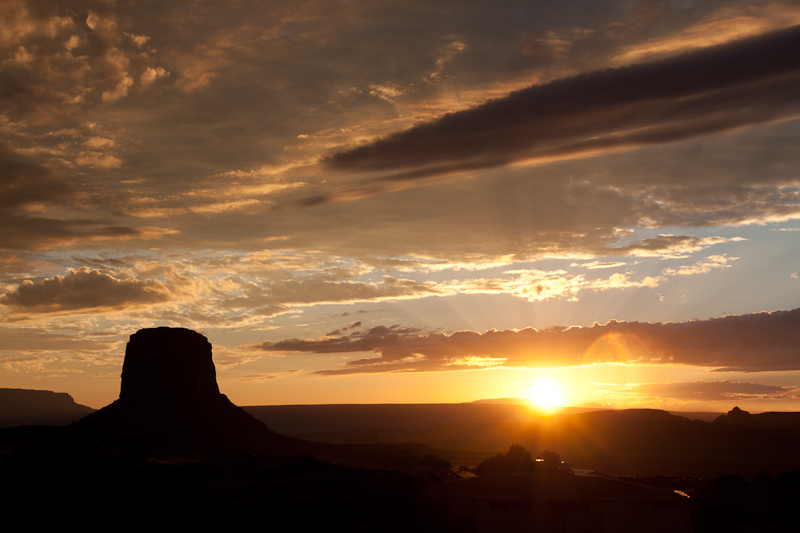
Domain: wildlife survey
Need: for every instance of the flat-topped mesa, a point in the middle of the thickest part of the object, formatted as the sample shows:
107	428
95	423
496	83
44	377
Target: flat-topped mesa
170	402
168	365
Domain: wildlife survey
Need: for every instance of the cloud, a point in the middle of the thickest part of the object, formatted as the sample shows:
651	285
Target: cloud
359	341
316	289
669	245
35	340
714	89
536	285
152	74
282	290
197	162
726	24
29	189
225	359
63	58
746	343
83	289
715	391
267	377
593	265
702	267
27	363
24	183
241	287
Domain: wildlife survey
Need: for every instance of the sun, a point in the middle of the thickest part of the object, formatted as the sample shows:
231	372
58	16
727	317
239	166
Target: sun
546	394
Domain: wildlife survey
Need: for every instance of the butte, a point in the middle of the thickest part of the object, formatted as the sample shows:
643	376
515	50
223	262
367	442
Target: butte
170	402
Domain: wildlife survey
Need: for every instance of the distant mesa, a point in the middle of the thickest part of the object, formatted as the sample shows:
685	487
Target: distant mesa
39	407
738	418
170	402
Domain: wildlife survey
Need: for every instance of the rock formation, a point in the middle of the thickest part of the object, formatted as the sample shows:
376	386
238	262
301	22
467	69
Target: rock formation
27	407
164	365
170	402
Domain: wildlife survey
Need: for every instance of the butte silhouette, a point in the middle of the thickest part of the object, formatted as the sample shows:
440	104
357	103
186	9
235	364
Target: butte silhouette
170	402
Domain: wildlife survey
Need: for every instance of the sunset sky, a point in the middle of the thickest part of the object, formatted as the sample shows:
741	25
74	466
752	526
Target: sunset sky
407	201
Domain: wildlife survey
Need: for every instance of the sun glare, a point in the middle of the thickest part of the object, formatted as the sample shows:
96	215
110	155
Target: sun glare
546	394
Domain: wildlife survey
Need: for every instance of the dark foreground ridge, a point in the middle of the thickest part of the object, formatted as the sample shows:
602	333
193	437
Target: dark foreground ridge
170	402
174	451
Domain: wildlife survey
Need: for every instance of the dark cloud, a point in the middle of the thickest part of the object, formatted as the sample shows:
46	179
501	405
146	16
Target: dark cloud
243	97
341	331
710	90
715	391
28	189
24	183
376	338
746	343
83	289
662	244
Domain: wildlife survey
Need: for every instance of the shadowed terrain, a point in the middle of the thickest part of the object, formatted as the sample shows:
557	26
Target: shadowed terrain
173	448
624	442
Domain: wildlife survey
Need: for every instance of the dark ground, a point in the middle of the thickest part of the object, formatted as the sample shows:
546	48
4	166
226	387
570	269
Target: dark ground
48	483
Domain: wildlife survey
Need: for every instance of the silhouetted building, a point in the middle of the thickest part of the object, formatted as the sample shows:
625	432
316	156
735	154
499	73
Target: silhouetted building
560	503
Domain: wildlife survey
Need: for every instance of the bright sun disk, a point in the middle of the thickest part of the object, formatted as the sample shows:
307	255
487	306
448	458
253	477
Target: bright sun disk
546	394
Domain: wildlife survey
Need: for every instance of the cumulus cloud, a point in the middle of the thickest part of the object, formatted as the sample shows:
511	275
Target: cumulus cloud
82	290
58	58
715	89
152	74
746	343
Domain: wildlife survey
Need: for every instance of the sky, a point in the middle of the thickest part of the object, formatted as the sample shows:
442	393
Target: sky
407	201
